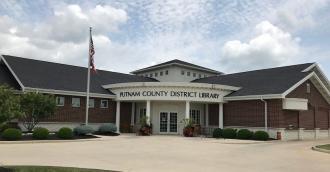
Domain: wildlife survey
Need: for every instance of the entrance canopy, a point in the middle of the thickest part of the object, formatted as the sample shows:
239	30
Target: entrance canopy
170	91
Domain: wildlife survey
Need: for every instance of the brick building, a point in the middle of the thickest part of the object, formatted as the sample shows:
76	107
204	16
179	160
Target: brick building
292	101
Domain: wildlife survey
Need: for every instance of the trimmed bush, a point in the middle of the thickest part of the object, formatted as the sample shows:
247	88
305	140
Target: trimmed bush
261	135
40	133
107	128
229	133
83	130
65	133
12	134
3	127
217	133
244	134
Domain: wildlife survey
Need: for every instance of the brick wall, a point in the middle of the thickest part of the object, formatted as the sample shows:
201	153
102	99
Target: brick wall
67	113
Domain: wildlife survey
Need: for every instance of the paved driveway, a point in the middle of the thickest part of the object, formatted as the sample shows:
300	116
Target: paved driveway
171	153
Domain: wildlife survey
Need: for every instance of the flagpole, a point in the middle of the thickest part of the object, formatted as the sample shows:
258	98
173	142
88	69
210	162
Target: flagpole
88	78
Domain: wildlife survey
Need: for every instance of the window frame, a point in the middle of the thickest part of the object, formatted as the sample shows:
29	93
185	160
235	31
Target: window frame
101	105
61	105
166	72
73	105
89	103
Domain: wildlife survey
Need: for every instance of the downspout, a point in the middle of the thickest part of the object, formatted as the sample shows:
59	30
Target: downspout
266	113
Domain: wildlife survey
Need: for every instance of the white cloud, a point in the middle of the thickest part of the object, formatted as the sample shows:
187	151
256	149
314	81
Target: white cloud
270	47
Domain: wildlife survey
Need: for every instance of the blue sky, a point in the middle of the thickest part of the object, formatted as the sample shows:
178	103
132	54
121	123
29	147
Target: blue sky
226	35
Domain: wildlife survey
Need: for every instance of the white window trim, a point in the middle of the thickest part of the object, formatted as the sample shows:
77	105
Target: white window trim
61	105
72	102
93	103
104	107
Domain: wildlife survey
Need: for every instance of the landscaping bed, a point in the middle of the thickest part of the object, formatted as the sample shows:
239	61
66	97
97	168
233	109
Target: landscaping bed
326	147
47	169
52	136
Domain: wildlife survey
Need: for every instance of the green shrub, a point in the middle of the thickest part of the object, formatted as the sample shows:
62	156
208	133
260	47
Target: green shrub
40	133
12	134
65	133
83	130
244	134
229	133
261	135
3	127
107	128
217	133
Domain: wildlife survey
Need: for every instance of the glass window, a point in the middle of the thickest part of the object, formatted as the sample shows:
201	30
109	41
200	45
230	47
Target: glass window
104	104
151	75
60	101
156	74
161	73
195	116
188	73
205	76
166	72
143	113
75	102
182	72
308	88
200	75
194	74
91	103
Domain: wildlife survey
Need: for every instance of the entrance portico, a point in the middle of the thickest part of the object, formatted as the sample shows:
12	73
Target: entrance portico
166	105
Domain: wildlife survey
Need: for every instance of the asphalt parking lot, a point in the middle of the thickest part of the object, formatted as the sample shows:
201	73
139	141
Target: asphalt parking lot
170	153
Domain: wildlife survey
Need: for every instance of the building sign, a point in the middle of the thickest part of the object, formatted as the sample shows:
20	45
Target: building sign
178	94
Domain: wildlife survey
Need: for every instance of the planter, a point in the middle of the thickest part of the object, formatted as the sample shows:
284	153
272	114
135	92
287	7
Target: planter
188	131
145	131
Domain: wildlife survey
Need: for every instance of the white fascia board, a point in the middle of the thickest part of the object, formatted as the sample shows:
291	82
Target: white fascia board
309	67
71	93
170	84
254	97
319	70
297	84
178	64
12	72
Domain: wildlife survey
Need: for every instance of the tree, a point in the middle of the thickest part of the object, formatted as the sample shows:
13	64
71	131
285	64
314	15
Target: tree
9	104
36	106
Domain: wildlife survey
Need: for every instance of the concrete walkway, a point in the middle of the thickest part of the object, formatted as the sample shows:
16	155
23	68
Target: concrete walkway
171	153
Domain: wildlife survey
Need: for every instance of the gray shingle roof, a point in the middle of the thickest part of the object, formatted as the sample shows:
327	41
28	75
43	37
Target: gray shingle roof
7	78
48	75
261	82
176	61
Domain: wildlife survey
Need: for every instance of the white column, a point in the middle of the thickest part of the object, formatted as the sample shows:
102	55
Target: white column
187	110
118	116
148	111
206	115
133	114
220	115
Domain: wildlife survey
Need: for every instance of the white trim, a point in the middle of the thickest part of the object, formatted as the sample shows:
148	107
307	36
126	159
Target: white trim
309	67
178	64
297	84
104	107
254	97
324	87
319	70
71	93
12	72
170	84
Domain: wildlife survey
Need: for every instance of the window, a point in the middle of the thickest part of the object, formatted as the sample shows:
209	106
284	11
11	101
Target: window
194	74
59	101
205	76
199	75
195	116
143	113
104	104
308	88
151	75
91	103
75	102
146	75
161	73
156	74
166	72
188	73
182	72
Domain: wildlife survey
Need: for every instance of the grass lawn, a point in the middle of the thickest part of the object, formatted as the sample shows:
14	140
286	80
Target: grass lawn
46	169
327	147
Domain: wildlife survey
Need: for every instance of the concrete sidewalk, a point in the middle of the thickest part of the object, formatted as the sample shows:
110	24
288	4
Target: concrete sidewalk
171	153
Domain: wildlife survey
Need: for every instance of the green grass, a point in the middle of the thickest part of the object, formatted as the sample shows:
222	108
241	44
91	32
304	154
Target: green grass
327	147
46	169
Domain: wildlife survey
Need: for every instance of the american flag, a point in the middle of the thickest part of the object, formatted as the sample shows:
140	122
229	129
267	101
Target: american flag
91	52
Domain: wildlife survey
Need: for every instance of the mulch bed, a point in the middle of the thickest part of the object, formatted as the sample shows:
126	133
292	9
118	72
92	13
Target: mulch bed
52	136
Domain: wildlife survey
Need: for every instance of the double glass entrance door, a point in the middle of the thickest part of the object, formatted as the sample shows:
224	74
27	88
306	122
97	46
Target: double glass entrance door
168	122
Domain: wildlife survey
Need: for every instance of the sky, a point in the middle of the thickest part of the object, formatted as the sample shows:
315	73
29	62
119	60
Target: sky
225	35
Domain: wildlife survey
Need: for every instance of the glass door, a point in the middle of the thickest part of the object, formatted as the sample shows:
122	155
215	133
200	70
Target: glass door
168	122
173	122
163	117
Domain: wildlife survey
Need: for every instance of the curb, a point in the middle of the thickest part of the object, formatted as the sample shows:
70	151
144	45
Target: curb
320	150
47	141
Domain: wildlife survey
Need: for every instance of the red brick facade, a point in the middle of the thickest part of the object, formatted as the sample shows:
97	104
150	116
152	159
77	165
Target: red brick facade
251	113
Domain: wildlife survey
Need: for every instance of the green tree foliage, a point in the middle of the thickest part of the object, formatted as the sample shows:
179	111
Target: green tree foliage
36	106
9	104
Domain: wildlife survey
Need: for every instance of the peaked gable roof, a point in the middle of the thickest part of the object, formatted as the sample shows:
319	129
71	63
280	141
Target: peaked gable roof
55	76
176	62
261	82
